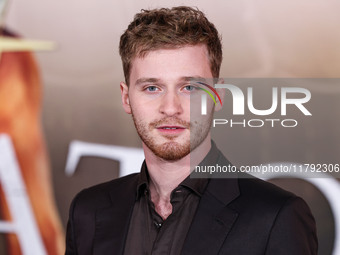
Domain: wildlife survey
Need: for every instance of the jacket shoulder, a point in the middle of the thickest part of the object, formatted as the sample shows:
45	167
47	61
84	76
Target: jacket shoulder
277	220
81	225
262	194
99	196
256	187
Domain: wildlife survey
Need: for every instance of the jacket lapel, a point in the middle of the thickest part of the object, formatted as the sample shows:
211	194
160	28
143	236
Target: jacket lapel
214	218
112	223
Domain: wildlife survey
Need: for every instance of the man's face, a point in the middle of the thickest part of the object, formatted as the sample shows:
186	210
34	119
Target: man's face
158	98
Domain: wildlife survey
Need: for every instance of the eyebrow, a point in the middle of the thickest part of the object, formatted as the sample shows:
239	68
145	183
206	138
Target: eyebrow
193	78
156	80
147	80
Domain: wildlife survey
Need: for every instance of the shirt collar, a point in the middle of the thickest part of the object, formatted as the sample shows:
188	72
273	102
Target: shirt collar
197	185
143	181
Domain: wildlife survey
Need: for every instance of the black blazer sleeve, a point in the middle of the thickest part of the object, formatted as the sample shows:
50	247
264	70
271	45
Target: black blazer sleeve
99	217
70	235
293	231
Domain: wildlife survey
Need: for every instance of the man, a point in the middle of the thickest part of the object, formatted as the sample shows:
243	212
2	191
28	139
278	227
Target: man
162	210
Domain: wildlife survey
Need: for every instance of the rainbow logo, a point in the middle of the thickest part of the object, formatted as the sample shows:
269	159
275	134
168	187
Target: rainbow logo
207	91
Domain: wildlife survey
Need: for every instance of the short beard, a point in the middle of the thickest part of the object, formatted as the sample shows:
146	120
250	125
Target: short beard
171	150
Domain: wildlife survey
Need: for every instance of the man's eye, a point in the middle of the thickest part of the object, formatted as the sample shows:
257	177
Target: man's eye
151	88
189	88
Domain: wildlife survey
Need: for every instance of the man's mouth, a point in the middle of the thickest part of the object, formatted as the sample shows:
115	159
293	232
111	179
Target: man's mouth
170	129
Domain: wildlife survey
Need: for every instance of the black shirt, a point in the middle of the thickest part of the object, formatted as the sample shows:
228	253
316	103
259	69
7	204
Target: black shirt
148	233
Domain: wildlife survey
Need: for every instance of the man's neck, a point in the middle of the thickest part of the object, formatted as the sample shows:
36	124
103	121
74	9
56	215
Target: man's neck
165	176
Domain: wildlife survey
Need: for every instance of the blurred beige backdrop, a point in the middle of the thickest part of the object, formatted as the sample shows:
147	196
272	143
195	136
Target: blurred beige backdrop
264	38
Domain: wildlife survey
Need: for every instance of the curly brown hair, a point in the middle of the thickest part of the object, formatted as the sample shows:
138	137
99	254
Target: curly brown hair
168	29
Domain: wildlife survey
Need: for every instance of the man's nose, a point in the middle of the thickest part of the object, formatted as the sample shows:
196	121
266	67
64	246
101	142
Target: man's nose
171	104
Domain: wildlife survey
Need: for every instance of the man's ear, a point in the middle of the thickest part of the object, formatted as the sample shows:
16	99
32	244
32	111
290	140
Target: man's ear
221	92
124	89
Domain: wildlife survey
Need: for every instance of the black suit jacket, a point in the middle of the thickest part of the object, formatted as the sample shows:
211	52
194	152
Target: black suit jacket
244	216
